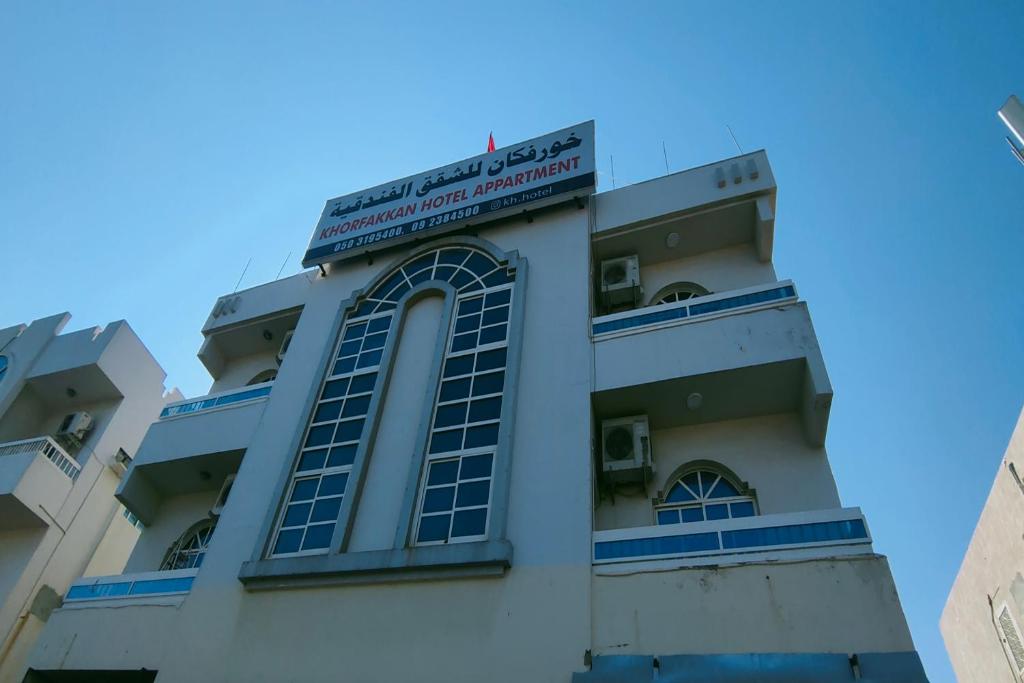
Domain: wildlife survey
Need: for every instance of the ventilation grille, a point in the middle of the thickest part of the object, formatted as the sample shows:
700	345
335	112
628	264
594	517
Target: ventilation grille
1012	637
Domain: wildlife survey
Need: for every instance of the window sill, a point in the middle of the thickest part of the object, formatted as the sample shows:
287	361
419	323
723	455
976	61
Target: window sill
429	563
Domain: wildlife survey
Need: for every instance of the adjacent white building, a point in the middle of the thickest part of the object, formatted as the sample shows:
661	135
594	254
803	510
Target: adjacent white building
583	441
984	614
73	409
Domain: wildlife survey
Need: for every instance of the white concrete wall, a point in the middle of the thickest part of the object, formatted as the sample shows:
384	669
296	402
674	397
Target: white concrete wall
721	270
176	515
114	549
844	606
992	570
769	453
238	372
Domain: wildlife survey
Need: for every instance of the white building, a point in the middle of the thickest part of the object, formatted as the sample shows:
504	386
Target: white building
582	441
72	406
984	613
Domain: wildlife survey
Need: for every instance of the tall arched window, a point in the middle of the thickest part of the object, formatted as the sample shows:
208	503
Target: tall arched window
190	548
455	489
678	291
705	493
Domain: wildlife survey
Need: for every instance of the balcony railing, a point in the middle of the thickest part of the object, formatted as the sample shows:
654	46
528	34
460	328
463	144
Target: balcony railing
695	309
220	399
125	586
49	448
820	528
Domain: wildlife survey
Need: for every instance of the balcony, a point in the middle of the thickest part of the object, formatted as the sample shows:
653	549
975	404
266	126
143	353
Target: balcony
193	443
799	535
163	587
746	352
36	476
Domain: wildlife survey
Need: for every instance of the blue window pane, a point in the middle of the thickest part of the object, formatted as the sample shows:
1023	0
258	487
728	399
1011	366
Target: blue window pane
379	324
467	324
473	493
449	415
485	409
461	279
421	276
489	360
445	273
723	489
296	514
693	482
304	489
692	515
443	472
460	365
344	365
356	407
319	436
313	460
355	331
365	308
668	516
484	435
350	348
455	389
452	256
326	510
467	306
490	335
348	431
383	306
479	264
362	383
327	411
720	511
433	528
342	455
369	358
461	342
491	383
476	466
397	293
742	509
288	541
375	341
393	281
318	536
678	494
498	277
335	388
493	316
439	499
423	262
333	484
443	442
469	522
498	298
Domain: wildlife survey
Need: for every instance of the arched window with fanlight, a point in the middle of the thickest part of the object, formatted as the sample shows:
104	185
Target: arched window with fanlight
705	492
678	291
189	550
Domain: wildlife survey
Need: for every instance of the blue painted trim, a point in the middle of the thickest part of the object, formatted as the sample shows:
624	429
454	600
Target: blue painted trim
126	589
741	539
217	401
689	311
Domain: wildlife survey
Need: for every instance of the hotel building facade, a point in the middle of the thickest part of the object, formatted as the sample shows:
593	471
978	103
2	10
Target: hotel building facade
583	441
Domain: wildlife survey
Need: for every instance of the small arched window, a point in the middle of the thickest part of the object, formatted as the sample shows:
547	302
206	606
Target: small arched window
190	548
3	367
679	291
265	376
703	495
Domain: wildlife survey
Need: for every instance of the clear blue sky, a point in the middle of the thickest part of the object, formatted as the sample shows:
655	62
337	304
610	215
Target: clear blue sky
147	152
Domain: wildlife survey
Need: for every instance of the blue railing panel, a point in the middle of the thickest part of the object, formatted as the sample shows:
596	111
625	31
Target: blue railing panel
215	402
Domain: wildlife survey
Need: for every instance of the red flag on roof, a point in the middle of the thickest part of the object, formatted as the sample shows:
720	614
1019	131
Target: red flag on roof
490	142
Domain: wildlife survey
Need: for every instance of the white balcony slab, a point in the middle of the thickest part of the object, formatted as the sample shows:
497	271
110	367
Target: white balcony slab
36	476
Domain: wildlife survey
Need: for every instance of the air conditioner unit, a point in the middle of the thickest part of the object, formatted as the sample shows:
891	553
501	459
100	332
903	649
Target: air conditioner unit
222	497
626	448
121	461
620	281
284	346
73	429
